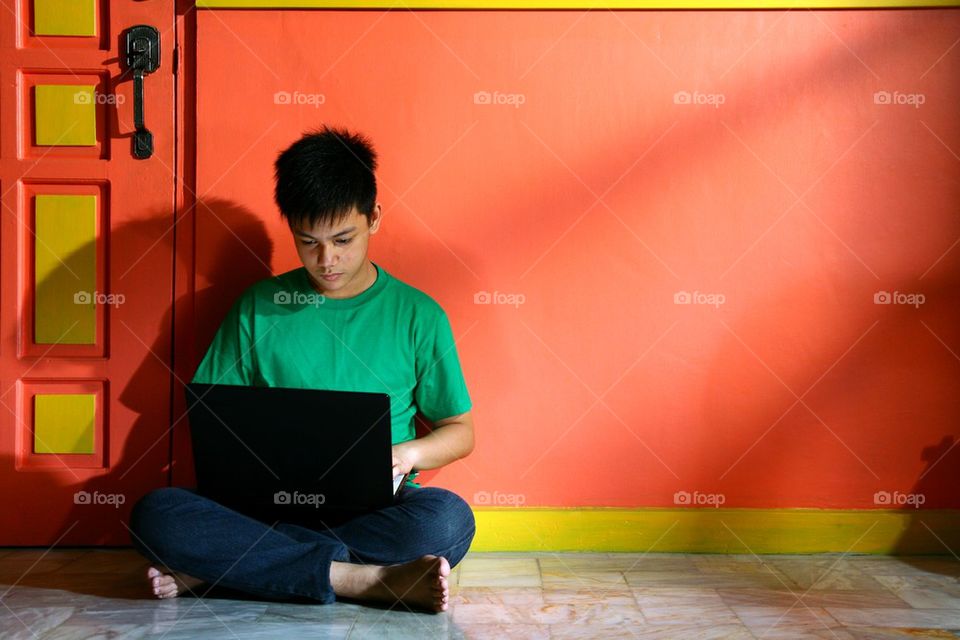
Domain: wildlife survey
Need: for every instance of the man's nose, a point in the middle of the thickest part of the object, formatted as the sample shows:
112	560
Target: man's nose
326	256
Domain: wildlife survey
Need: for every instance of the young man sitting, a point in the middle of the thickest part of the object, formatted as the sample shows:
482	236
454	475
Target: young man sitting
368	332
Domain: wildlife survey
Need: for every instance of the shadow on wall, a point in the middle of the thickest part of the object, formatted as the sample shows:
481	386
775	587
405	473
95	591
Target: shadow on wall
933	532
876	369
875	401
241	258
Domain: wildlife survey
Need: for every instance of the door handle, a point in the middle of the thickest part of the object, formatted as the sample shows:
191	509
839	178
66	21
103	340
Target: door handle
142	57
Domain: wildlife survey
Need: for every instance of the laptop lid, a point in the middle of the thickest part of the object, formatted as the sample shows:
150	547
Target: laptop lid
301	449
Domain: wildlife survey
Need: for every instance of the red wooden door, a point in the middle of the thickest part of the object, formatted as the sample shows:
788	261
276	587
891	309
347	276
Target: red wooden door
86	271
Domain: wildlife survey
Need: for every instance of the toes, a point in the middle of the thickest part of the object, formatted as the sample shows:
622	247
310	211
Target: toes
162	585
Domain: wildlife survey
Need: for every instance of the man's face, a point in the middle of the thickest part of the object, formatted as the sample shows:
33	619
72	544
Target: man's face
338	251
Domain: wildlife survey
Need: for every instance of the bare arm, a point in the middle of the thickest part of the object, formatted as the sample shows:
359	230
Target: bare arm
450	439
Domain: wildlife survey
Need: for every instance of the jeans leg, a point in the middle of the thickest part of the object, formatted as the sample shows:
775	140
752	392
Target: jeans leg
195	535
425	520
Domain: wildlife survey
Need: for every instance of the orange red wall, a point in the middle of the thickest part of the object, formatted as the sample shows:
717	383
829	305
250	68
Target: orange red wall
596	166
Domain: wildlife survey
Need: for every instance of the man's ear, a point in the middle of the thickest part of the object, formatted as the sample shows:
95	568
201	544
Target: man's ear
375	217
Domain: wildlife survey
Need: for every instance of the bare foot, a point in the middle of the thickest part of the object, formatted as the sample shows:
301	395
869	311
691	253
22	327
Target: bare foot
170	584
420	583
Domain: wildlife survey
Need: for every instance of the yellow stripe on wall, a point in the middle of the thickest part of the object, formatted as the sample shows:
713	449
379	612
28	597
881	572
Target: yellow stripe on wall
573	4
65	280
64	422
717	530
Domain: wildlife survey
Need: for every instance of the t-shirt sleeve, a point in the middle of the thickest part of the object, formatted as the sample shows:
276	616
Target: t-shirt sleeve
230	358
441	391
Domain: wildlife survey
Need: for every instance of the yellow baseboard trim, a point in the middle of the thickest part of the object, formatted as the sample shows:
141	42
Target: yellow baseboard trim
718	530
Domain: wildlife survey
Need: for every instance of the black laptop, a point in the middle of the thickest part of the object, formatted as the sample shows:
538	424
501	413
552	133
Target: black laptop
292	451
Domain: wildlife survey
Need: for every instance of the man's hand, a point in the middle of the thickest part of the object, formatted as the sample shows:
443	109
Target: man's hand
450	439
404	457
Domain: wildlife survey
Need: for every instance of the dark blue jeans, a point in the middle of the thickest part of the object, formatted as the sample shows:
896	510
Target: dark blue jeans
279	560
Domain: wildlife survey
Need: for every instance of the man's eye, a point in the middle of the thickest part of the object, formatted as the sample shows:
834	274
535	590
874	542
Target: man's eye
342	241
308	242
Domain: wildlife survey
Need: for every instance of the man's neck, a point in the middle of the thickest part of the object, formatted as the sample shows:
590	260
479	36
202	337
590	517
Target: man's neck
367	278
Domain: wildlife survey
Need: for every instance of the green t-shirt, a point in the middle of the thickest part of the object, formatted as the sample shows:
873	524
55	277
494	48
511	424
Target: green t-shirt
391	338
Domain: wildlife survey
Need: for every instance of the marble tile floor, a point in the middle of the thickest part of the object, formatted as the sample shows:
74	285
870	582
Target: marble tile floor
62	594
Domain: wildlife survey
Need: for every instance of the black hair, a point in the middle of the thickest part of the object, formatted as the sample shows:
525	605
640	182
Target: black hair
322	176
